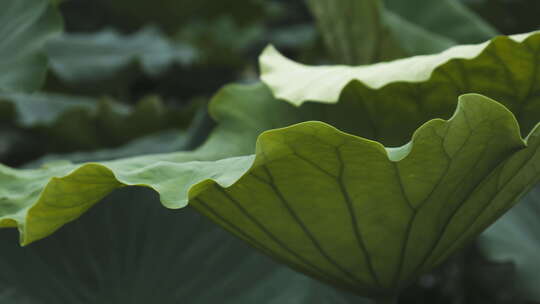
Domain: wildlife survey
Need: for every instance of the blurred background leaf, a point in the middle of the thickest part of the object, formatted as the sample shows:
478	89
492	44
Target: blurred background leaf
447	18
63	123
363	32
516	238
83	58
25	26
508	16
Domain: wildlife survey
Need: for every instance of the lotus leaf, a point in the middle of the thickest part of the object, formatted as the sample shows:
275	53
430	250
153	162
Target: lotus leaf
367	210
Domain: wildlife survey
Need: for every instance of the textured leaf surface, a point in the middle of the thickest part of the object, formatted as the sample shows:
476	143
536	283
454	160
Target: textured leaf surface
104	55
516	238
25	26
131	250
355	215
463	153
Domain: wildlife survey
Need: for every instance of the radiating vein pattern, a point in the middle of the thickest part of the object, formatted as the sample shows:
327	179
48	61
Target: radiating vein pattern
342	209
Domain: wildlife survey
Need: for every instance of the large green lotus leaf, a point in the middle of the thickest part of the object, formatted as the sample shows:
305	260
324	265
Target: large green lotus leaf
356	215
433	194
73	122
131	250
516	238
447	18
415	89
472	179
84	57
25	26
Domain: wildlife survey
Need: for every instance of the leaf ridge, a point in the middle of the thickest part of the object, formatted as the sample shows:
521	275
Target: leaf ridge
354	221
306	231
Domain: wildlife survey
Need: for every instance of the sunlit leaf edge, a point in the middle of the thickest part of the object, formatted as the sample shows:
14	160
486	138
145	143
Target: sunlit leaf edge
326	83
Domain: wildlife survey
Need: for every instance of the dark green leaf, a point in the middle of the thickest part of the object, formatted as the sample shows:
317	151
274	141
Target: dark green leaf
73	122
355	32
362	32
516	238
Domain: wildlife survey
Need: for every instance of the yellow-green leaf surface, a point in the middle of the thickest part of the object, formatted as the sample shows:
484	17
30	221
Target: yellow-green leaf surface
334	205
25	26
350	212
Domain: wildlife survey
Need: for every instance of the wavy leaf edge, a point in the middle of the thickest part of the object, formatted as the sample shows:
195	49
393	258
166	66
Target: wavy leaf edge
32	220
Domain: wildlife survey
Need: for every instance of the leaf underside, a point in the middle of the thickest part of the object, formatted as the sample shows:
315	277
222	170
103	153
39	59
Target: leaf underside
148	255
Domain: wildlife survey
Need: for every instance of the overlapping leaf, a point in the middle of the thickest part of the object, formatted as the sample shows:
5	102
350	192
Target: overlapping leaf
356	215
424	199
415	89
